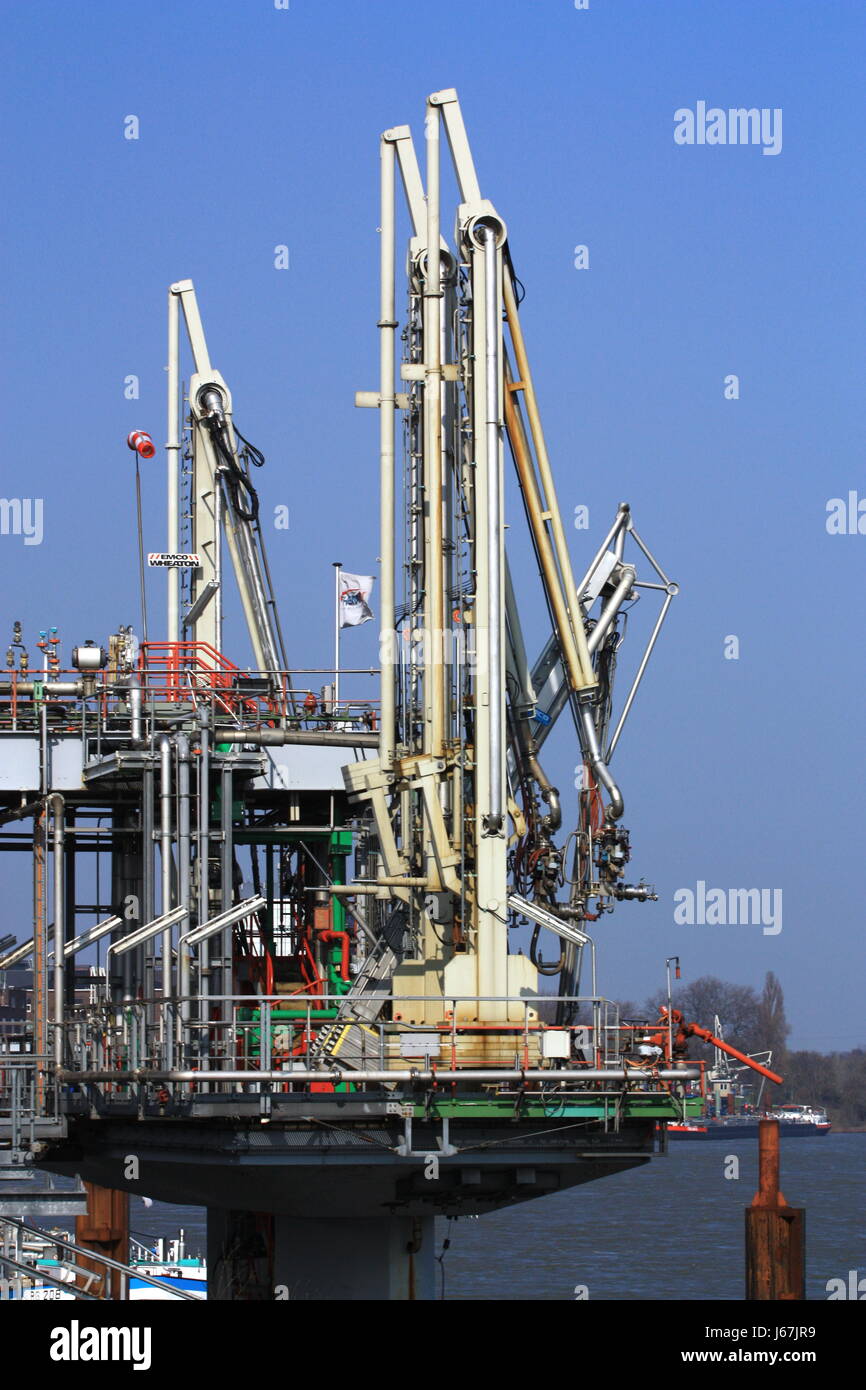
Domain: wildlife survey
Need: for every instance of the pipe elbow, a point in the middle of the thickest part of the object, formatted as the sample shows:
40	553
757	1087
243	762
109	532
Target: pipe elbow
554	818
451	881
616	805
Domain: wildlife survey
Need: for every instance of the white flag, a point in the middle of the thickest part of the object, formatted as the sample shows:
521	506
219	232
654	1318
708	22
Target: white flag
355	590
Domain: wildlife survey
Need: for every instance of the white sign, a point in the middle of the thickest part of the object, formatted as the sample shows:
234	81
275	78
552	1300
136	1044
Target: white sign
160	560
420	1045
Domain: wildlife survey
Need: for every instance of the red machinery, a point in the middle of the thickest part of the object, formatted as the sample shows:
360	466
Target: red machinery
684	1031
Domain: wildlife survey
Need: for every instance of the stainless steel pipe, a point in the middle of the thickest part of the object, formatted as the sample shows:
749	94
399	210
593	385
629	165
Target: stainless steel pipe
263	738
599	767
488	1076
184	962
495	815
58	807
387	329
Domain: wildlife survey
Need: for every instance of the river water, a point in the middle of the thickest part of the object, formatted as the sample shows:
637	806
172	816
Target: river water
672	1230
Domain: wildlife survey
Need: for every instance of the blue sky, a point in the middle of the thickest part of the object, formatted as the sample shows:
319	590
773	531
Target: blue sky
260	127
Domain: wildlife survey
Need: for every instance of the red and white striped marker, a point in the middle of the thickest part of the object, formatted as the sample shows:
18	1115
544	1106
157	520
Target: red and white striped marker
141	444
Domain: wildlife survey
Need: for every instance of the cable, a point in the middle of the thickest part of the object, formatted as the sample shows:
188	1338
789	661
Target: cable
440	1260
537	961
237	480
517	283
255	455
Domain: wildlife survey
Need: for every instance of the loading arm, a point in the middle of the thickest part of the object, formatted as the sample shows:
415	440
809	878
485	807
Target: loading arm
226	501
684	1031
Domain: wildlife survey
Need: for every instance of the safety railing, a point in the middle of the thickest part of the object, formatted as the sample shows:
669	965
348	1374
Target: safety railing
29	1096
196	672
96	703
100	1278
316	1042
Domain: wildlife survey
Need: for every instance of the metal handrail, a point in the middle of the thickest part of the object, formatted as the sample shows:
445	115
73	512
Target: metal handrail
34	1274
100	1259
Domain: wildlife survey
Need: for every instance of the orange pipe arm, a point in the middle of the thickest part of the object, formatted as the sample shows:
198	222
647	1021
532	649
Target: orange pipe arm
707	1036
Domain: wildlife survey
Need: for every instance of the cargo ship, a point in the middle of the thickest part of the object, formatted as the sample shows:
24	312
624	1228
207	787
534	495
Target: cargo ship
795	1122
726	1107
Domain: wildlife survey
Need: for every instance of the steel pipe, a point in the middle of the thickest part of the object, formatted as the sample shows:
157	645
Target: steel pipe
184	960
172	454
621	521
387	329
69	1289
487	1076
148	911
135	702
434	599
42	687
611	608
58	809
495	814
602	773
348	889
100	1259
203	853
263	738
226	863
164	745
669	597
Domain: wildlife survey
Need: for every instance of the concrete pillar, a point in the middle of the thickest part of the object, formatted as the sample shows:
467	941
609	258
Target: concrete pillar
381	1258
240	1256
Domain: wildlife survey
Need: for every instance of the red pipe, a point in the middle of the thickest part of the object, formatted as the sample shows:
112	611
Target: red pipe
343	938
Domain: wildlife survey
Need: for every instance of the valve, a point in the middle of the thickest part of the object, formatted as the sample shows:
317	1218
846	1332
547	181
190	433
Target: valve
89	657
635	892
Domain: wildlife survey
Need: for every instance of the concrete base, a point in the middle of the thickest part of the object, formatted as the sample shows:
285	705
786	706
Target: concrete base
336	1203
335	1164
261	1256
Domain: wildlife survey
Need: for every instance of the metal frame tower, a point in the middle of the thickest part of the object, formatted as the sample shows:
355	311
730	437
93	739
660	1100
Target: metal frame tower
309	1009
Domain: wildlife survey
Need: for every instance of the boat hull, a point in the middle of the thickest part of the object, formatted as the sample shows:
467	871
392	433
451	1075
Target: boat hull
709	1130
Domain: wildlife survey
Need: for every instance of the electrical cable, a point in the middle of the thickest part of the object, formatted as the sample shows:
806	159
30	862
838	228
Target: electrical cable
440	1260
237	479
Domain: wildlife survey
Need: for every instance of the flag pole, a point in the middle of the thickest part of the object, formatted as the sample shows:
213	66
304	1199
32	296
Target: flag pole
338	565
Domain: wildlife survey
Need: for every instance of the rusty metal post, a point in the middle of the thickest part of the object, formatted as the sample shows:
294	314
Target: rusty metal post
104	1229
775	1232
